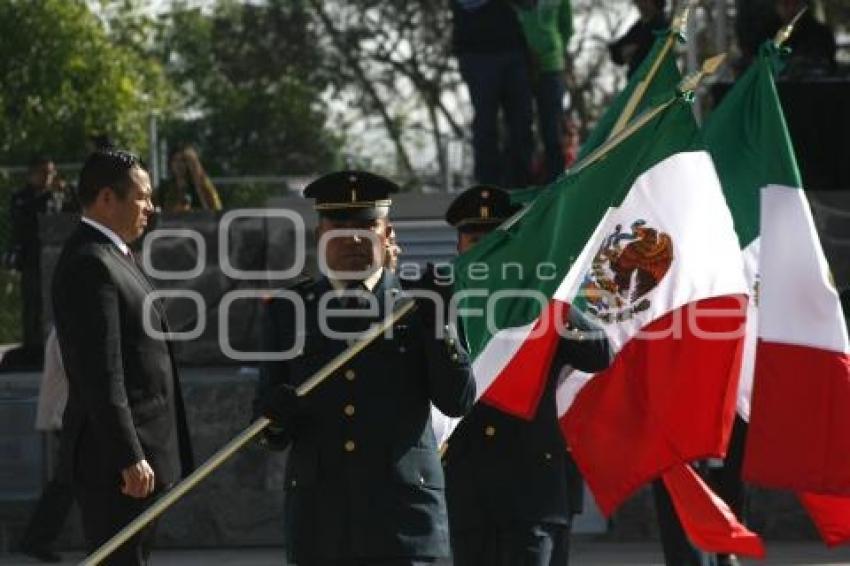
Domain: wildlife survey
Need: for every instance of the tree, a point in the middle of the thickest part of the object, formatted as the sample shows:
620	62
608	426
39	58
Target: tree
397	83
396	74
63	79
250	82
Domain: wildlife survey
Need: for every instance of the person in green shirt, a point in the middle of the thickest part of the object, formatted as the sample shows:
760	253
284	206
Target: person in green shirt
548	26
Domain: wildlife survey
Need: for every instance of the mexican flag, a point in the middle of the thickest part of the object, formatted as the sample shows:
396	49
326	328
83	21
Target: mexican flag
517	392
796	384
642	242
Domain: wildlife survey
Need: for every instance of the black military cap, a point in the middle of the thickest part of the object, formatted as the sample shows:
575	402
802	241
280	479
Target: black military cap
480	207
352	195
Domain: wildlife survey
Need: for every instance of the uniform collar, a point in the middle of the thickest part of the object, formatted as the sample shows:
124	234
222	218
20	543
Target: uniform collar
369	283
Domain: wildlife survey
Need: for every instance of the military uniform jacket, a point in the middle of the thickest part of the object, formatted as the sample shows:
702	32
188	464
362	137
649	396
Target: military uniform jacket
364	479
505	470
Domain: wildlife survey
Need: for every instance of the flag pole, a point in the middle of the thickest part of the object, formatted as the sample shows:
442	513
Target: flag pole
785	32
678	28
688	84
599	153
223	454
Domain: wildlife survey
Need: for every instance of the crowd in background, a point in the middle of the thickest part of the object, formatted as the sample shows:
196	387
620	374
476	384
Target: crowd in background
512	55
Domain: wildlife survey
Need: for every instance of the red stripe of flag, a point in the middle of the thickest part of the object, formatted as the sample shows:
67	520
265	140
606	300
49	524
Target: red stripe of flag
518	387
798	434
663	401
706	518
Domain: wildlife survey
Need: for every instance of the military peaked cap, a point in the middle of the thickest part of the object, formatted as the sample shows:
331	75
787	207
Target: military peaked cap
354	195
480	207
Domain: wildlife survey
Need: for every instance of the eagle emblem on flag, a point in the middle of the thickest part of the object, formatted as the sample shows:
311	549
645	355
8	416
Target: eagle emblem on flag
628	265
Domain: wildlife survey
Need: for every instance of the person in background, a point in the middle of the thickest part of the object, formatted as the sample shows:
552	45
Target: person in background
58	497
634	46
548	26
572	141
24	255
511	485
491	51
812	43
393	251
189	186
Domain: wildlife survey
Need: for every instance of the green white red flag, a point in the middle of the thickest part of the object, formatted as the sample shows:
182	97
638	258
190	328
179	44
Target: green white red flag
643	242
796	381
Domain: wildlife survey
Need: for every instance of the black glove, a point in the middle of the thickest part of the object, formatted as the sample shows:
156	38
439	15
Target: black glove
281	404
433	307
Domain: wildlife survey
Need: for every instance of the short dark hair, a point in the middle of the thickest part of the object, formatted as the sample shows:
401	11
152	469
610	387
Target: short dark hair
106	168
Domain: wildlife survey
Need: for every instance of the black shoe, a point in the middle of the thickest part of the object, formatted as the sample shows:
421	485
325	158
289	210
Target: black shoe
41	554
727	560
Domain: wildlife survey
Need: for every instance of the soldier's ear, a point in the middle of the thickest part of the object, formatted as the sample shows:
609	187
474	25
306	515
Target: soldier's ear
320	228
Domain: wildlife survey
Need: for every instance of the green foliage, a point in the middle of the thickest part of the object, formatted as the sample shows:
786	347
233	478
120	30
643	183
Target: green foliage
64	78
251	82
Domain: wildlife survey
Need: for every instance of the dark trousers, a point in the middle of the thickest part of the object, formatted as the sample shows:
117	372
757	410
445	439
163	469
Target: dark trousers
105	512
677	548
31	306
561	551
513	545
499	82
726	481
49	516
549	98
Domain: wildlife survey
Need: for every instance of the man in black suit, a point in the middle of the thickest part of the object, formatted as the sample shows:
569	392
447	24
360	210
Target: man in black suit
364	485
511	485
125	437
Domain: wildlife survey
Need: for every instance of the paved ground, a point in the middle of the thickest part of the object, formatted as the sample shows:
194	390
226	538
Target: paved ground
587	553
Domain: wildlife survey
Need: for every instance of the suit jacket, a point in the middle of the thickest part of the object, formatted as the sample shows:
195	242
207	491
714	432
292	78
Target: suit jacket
504	470
124	402
364	480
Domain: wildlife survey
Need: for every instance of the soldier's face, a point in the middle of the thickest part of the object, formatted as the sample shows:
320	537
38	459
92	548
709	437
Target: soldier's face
466	240
354	253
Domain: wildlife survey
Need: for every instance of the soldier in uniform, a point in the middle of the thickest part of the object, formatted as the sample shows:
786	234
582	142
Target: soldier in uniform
25	255
364	485
511	485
